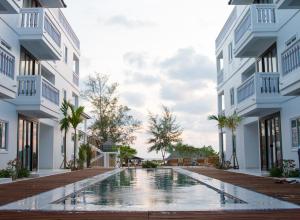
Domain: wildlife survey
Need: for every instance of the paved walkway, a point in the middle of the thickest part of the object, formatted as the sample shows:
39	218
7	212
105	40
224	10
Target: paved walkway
20	190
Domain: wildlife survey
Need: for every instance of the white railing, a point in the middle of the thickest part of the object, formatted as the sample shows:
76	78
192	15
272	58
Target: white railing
220	77
76	79
230	21
37	19
260	84
7	64
291	58
31	86
260	14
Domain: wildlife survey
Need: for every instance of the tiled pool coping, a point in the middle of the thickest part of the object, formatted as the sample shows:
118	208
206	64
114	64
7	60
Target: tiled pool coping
255	201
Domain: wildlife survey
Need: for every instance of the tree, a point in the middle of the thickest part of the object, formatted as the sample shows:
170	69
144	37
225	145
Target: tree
65	126
126	153
232	122
112	120
221	120
75	119
164	131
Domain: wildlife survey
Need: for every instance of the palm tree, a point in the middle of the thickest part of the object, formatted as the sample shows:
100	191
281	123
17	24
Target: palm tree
64	126
221	120
75	119
232	122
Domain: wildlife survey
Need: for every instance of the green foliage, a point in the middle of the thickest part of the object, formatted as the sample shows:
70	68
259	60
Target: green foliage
65	126
276	172
294	173
232	122
188	151
81	157
164	132
23	173
149	164
126	153
112	120
288	166
220	119
6	173
89	154
75	119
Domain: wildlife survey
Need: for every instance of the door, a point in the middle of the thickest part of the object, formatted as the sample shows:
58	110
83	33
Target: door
27	143
270	142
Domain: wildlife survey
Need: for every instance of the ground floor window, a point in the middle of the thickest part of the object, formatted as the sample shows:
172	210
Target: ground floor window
3	135
295	124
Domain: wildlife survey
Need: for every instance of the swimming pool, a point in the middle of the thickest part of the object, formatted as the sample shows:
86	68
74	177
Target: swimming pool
142	189
168	189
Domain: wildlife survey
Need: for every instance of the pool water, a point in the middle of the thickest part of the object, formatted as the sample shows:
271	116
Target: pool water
149	189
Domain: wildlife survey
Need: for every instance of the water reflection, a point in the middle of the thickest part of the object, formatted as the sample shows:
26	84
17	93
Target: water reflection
148	189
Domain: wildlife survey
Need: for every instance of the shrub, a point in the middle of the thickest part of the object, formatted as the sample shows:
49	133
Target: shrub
149	164
81	157
88	153
288	166
294	173
276	172
23	173
5	173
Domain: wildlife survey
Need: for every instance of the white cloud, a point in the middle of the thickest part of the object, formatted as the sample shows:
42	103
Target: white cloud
127	22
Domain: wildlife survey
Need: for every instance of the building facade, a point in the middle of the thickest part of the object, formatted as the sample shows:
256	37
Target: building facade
258	65
39	68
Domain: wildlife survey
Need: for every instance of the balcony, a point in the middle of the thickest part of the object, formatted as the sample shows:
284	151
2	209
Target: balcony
288	4
37	97
39	35
7	75
290	81
259	95
9	7
52	3
256	32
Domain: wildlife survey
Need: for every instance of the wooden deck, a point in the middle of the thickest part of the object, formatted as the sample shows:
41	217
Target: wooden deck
19	190
287	192
23	189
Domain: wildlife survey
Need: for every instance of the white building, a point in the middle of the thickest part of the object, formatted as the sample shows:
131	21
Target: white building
258	63
39	68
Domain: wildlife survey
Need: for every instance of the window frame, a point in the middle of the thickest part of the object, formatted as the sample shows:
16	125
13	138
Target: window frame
230	52
297	120
232	96
6	124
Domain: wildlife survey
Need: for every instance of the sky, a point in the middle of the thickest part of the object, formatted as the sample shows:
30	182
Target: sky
160	52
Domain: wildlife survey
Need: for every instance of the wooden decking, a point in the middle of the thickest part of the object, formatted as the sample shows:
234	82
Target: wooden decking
287	192
19	190
23	189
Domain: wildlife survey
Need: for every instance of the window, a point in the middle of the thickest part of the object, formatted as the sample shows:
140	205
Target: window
75	64
295	124
3	135
230	53
232	96
267	63
65	94
75	100
66	55
29	65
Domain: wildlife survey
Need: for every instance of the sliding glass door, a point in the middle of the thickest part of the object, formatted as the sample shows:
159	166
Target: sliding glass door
28	143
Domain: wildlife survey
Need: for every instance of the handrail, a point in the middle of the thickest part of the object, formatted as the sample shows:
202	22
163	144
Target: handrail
7	64
291	58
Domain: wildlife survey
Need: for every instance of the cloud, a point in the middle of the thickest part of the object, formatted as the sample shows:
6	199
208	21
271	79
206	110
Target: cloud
188	65
200	106
134	99
124	21
141	78
134	59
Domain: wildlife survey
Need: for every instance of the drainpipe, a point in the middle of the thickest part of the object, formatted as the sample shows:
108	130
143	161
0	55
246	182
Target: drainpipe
299	158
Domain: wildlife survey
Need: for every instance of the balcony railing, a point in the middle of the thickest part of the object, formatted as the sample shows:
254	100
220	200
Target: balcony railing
7	64
34	85
36	18
259	85
291	59
261	14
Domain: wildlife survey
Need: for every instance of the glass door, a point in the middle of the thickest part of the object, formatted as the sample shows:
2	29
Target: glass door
27	143
270	138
